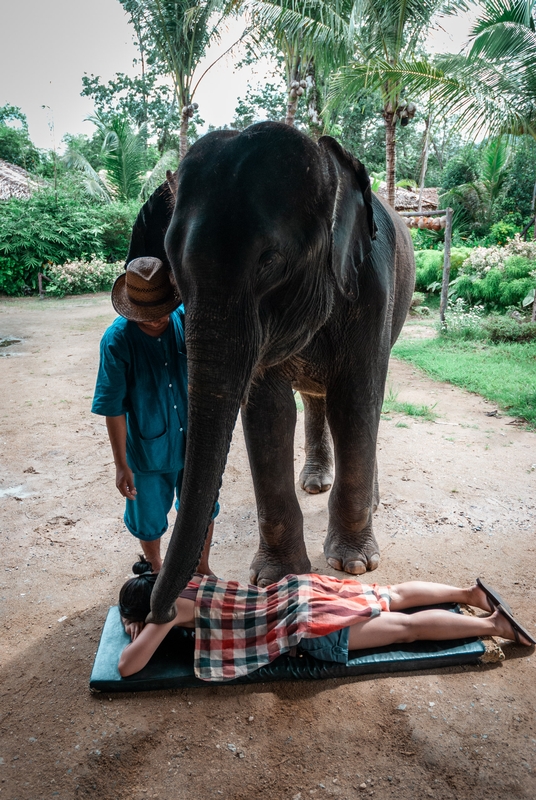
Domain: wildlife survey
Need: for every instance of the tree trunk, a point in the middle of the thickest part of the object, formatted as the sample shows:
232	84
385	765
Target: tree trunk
424	161
183	133
294	90
312	95
390	152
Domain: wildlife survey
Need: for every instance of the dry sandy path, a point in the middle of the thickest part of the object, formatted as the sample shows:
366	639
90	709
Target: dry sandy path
457	501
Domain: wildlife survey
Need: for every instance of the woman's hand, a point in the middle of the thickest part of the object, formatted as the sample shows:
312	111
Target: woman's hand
133	628
136	654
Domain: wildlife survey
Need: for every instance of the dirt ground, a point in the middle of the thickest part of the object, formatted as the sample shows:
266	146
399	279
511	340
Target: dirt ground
458	501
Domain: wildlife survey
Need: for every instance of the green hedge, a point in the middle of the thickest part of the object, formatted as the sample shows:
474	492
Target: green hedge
498	289
56	228
429	267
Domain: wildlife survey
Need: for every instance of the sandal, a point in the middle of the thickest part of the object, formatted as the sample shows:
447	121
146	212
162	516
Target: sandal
516	626
494	597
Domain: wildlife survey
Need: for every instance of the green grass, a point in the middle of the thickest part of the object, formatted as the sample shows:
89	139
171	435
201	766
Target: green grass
424	412
391	404
503	373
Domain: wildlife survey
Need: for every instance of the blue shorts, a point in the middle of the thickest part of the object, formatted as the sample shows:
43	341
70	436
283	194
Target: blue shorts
146	516
332	647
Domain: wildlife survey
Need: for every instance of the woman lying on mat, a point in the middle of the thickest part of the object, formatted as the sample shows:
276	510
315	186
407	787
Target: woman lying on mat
239	628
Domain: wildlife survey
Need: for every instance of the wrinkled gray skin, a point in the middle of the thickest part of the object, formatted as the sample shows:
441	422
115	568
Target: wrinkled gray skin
294	276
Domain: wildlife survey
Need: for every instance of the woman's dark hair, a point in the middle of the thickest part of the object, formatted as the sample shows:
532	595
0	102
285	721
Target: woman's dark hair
135	594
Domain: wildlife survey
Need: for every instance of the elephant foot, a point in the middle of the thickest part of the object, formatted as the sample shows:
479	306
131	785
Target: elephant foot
268	567
353	556
315	481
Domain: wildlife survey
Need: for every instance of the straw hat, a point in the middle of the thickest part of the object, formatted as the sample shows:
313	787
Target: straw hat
145	291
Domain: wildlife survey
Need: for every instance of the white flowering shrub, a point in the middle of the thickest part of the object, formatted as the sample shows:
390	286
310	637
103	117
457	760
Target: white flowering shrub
483	259
81	277
462	321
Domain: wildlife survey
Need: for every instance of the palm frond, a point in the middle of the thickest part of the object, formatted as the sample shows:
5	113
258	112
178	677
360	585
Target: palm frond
168	161
93	183
484	96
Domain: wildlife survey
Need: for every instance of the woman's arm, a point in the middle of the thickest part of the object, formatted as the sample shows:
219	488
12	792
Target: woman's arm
136	654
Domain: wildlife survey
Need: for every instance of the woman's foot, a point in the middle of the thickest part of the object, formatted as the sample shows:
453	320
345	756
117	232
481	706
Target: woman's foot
508	628
478	598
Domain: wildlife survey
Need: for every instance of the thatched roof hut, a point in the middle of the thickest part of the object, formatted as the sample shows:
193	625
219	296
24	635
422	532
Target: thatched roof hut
408	199
16	182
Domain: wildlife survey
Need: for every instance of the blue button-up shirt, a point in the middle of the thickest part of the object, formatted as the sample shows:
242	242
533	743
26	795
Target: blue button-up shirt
145	378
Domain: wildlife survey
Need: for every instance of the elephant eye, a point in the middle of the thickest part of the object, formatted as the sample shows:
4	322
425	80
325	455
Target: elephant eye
272	258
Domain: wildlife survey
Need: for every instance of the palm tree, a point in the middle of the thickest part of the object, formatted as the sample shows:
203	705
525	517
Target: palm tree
123	158
312	37
176	35
491	86
386	34
478	197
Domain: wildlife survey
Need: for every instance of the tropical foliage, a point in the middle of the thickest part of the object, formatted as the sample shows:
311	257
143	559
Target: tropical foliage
54	227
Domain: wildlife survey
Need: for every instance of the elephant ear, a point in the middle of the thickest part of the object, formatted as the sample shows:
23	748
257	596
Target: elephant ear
152	222
352	223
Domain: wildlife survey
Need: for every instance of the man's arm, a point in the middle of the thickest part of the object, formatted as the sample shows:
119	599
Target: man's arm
117	433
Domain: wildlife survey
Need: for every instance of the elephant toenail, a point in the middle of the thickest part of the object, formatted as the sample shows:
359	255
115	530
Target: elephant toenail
334	563
355	567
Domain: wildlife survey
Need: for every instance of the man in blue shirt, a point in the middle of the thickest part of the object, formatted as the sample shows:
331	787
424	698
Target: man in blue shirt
142	390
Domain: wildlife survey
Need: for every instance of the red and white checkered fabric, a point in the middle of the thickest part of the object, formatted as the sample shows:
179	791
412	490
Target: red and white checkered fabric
240	628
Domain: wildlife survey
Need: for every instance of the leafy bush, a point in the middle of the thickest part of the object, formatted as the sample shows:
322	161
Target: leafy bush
48	229
466	323
80	277
501	232
43	229
498	277
507	329
116	220
429	267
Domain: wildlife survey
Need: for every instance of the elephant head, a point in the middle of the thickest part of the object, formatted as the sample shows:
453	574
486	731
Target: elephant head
268	227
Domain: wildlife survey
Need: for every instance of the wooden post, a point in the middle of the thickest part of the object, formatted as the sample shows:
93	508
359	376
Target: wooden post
40	278
446	266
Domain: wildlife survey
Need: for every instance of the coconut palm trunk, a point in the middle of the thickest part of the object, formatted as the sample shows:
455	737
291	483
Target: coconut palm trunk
390	152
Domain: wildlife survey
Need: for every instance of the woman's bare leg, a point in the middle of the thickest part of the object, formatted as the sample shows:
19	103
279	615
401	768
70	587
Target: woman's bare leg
422	593
430	625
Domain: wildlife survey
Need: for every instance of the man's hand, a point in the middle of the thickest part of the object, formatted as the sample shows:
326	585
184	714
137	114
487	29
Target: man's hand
124	480
117	432
133	628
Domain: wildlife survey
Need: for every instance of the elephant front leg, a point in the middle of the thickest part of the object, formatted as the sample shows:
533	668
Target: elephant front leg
317	473
350	543
269	421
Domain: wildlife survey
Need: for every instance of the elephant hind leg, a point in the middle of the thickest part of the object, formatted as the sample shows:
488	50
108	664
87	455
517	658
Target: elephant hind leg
317	473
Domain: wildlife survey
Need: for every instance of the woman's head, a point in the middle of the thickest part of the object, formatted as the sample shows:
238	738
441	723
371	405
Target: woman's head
135	594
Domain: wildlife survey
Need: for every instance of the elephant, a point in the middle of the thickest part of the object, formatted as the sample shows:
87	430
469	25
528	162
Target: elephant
294	276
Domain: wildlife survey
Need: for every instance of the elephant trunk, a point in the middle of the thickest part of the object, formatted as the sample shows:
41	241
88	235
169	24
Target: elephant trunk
222	351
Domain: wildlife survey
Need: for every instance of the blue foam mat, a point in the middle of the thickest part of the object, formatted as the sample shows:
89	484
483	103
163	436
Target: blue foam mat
171	667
